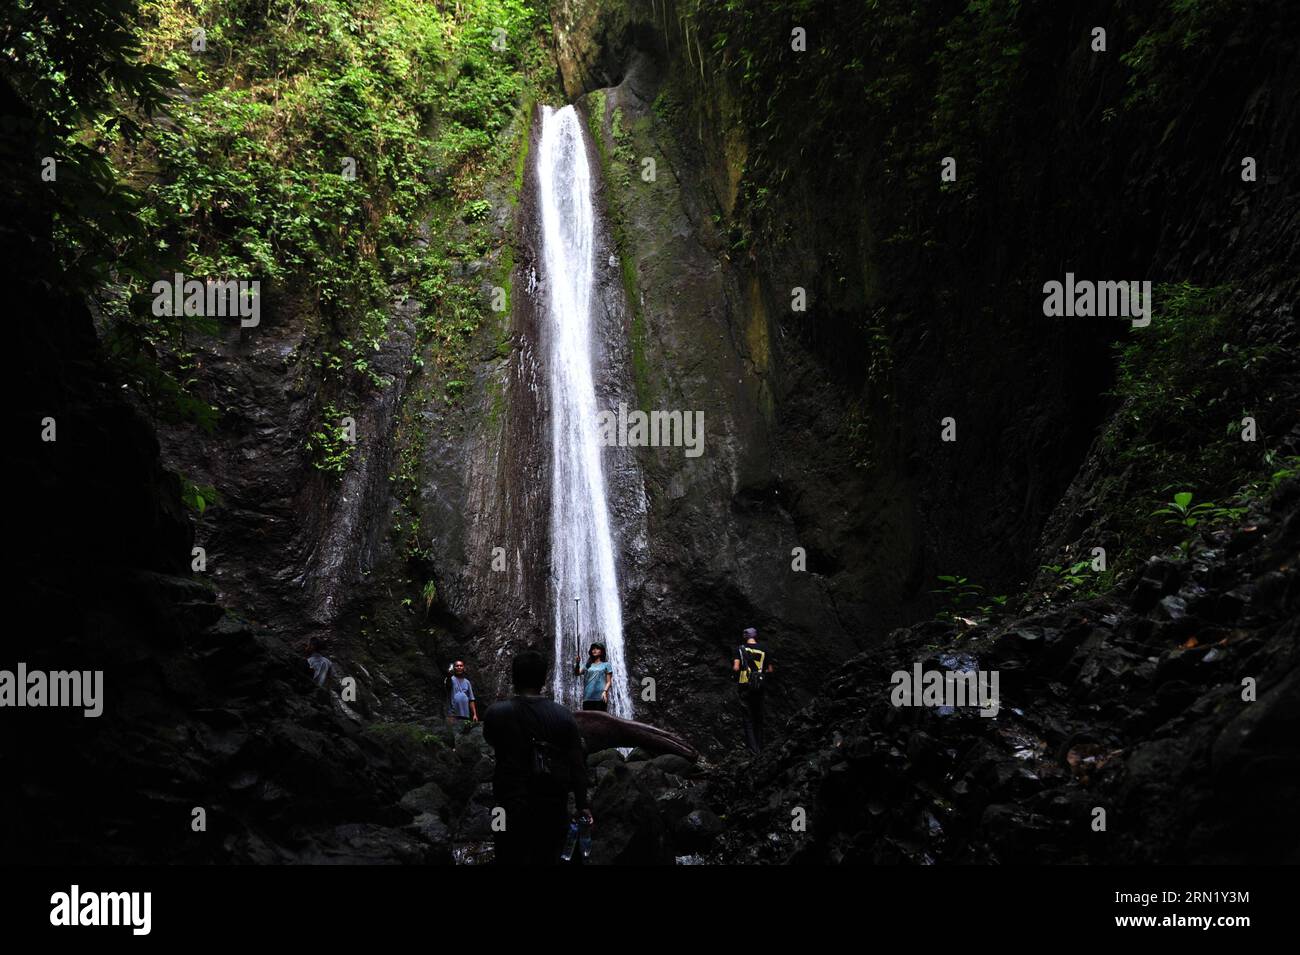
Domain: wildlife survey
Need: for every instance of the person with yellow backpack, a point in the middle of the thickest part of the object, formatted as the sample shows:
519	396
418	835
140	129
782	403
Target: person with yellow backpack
752	664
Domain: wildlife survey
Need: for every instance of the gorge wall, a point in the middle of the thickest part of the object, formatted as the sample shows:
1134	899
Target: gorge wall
925	297
822	427
774	169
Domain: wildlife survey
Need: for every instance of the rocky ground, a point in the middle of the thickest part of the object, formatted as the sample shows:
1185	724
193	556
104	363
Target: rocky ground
648	808
1132	703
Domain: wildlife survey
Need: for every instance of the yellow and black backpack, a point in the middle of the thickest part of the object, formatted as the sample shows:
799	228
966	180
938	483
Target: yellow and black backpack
751	666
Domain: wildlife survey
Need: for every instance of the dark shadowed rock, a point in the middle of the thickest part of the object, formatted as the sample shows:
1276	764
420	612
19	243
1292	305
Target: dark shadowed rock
604	757
676	765
425	799
696	830
1134	714
629	829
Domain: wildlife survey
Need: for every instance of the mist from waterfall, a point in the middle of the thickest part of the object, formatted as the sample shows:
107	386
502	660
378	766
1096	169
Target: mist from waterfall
584	582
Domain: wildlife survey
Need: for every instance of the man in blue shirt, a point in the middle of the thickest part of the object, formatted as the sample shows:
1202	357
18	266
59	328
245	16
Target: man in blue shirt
599	677
460	694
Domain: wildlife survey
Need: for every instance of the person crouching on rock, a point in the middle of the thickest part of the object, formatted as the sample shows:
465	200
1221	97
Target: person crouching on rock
319	664
599	675
460	694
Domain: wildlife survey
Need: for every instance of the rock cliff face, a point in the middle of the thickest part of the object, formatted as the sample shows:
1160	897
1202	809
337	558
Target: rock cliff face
773	489
200	709
723	525
824	427
310	554
821	443
706	544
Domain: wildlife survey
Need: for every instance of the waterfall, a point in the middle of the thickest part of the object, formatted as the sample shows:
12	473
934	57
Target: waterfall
582	550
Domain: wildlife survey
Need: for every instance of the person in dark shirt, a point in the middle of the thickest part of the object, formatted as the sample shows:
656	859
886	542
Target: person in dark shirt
751	665
539	761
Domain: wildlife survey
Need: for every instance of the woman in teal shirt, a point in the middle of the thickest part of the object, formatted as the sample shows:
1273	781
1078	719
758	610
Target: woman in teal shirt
599	677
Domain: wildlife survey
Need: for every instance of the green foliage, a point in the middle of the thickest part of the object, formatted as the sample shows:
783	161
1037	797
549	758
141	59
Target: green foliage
477	210
595	120
966	601
616	166
623	159
891	88
1073	575
858	420
77	67
197	496
1072	581
1183	384
404	735
668	107
256	175
328	443
76	64
1189	369
1172	39
856	428
1290	468
1183	515
303	149
522	149
406	480
309	147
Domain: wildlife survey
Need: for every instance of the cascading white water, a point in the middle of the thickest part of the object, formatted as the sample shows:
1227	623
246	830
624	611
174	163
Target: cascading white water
582	550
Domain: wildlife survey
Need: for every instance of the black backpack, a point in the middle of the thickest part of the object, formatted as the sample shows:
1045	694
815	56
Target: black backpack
751	666
545	759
